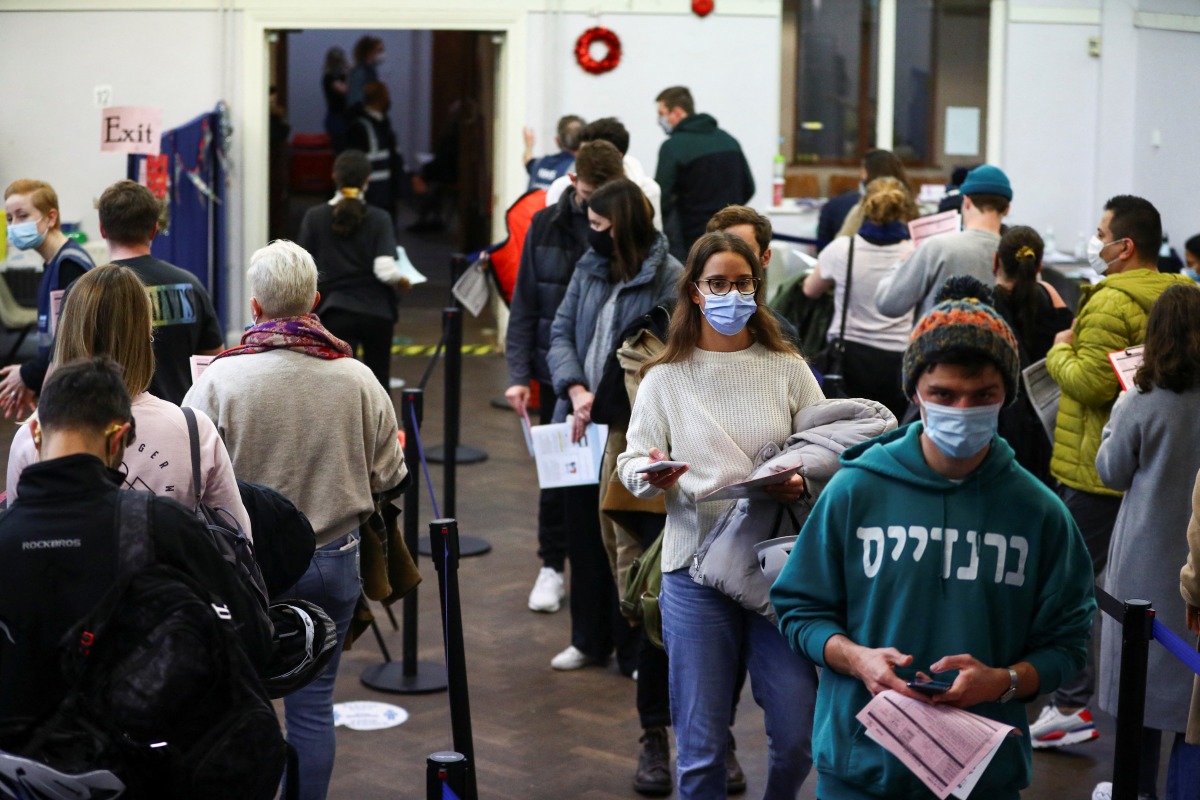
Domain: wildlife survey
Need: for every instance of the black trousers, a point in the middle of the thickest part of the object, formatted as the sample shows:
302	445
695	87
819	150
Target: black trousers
551	533
373	334
875	374
596	622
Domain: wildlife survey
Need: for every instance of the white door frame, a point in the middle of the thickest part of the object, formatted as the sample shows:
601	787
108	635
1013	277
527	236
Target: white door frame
254	163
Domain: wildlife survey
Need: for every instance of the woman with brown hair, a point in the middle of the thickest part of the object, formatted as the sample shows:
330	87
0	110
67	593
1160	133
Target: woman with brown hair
1150	449
726	385
108	314
625	272
852	268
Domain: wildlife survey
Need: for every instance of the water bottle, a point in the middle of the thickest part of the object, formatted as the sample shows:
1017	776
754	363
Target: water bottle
777	173
1051	244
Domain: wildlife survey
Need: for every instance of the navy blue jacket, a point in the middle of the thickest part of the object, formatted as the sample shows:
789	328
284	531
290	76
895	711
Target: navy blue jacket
557	237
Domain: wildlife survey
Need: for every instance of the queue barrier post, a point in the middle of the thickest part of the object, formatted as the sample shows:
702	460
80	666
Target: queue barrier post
444	542
408	676
1131	699
446	770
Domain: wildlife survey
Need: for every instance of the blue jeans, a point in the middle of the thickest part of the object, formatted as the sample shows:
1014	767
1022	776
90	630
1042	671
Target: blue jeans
707	635
332	582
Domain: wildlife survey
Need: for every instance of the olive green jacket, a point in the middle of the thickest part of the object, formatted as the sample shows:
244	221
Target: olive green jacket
1111	316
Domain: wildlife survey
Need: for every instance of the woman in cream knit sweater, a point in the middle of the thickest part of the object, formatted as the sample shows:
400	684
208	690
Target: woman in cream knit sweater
725	385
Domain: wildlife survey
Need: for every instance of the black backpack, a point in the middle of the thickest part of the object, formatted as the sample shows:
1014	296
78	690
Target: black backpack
162	693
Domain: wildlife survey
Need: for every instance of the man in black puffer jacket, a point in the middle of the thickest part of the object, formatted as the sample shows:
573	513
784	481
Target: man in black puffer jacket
556	239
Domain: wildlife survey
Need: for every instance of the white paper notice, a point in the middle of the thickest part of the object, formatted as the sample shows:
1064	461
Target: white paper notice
750	488
561	462
56	303
407	269
962	130
947	748
934	225
199	364
472	289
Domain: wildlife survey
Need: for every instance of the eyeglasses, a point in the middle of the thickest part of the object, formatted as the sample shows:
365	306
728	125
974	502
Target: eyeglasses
721	286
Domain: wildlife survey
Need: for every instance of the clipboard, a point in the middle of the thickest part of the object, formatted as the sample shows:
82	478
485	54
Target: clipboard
1125	363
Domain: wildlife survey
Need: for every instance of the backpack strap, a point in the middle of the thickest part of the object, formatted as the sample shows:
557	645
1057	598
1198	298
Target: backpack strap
131	524
194	442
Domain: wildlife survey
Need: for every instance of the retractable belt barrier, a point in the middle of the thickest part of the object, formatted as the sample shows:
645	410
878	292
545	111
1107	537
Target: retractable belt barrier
1139	625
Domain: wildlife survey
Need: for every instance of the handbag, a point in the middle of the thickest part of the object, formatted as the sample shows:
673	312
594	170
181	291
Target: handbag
831	362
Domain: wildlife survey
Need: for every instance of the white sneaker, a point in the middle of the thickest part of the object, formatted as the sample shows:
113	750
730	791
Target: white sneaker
1055	729
571	658
1103	791
548	591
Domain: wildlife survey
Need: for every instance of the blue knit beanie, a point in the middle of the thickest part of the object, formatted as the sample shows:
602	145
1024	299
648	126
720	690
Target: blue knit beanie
987	179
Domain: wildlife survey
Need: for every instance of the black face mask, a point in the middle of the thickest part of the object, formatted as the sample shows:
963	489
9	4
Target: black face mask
602	242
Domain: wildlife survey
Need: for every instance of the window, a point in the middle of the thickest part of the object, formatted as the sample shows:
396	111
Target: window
938	75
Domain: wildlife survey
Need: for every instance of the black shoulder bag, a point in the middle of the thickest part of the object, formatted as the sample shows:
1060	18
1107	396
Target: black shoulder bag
832	360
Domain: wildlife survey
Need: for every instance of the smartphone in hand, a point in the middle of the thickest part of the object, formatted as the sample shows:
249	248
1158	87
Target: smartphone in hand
929	687
660	466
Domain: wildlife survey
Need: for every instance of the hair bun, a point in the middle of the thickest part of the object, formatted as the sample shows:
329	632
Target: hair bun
964	287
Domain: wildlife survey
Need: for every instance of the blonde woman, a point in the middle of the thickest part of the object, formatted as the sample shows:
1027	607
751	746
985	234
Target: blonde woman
874	343
108	314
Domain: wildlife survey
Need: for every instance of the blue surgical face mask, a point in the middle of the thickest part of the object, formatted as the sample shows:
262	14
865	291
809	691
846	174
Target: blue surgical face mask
729	313
25	235
960	432
665	125
1191	273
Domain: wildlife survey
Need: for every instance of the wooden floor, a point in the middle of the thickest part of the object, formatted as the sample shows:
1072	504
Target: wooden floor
537	733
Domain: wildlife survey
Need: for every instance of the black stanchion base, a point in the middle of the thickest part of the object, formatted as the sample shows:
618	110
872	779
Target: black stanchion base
466	454
467	546
389	677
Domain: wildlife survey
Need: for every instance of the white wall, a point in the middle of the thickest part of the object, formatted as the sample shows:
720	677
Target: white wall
407	71
1051	95
49	124
1168	88
730	63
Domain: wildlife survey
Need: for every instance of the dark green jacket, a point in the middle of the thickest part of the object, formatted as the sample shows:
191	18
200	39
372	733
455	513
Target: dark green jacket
701	169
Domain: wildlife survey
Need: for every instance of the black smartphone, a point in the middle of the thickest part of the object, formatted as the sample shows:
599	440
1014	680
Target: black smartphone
929	687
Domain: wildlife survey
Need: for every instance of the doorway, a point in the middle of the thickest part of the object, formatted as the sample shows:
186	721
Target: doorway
442	90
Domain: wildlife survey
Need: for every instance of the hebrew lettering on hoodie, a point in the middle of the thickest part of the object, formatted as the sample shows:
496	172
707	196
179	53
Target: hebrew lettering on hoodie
990	556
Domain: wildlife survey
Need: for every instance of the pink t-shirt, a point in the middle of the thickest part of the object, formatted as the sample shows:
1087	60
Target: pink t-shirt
159	460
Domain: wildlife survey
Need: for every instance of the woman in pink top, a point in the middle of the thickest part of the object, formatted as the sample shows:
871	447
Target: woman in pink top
108	313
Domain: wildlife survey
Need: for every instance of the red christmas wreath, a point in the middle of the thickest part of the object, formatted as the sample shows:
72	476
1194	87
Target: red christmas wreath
583	50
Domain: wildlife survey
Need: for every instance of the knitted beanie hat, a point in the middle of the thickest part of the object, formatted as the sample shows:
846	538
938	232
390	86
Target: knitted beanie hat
962	323
986	179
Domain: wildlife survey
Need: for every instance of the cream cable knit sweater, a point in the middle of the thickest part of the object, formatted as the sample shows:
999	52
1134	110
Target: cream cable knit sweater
713	411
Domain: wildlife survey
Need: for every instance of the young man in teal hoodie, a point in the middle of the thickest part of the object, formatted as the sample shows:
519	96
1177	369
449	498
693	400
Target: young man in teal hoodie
933	551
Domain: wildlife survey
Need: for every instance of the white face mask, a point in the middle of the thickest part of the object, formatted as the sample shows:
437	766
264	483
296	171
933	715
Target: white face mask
1095	246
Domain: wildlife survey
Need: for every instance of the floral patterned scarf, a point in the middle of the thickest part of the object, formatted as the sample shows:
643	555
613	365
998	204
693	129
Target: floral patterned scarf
303	334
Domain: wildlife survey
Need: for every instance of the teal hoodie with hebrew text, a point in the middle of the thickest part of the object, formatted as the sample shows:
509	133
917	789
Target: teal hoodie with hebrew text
896	555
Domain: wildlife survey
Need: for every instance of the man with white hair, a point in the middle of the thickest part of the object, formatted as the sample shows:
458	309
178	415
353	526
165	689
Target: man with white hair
301	415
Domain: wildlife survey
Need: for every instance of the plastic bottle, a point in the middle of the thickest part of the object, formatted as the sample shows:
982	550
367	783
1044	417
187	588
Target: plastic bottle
1080	247
1051	244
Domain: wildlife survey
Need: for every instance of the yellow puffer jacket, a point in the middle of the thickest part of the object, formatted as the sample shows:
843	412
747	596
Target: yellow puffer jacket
1111	316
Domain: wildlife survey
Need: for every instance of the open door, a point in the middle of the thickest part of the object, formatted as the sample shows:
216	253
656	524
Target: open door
464	107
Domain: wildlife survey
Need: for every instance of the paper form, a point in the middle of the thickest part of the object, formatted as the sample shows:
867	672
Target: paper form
923	228
947	748
1125	363
561	462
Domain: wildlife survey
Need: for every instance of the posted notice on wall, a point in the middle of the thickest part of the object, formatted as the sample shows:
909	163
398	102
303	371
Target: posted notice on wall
561	462
947	748
130	129
962	130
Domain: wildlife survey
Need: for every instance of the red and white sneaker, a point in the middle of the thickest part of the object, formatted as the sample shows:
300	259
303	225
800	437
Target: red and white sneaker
1055	729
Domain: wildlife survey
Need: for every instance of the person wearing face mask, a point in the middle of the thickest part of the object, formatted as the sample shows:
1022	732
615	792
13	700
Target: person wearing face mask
31	210
726	385
1111	316
556	239
625	272
932	552
701	169
1191	255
